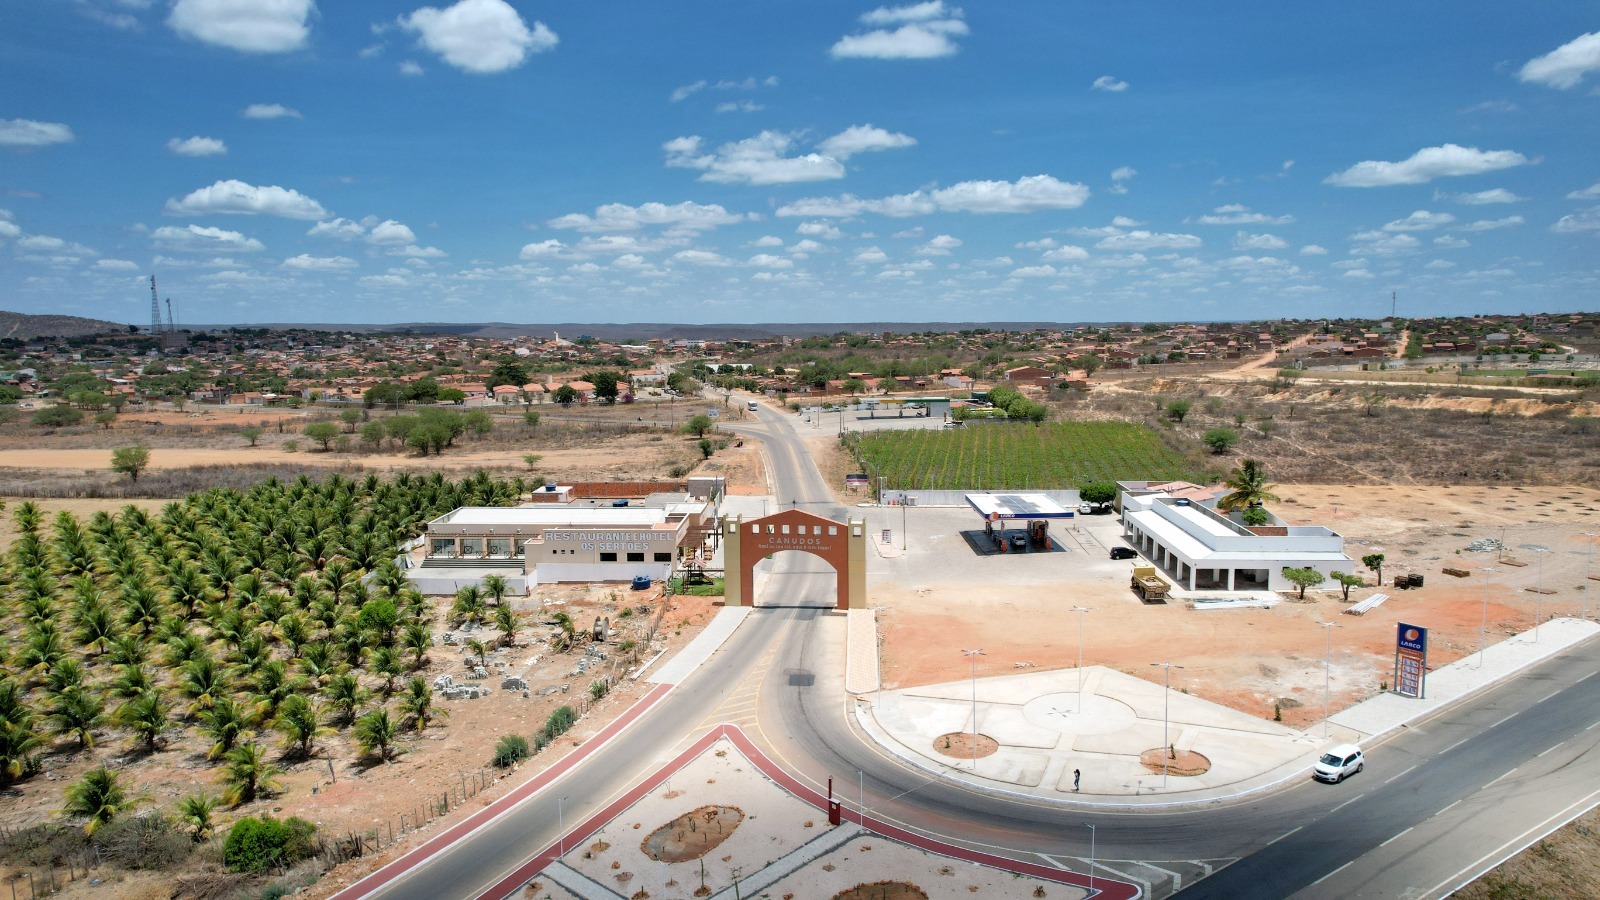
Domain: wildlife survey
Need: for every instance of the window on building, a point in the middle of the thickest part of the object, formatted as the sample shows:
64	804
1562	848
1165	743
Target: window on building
608	557
635	557
664	557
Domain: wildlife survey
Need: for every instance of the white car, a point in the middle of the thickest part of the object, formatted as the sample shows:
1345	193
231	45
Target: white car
1338	763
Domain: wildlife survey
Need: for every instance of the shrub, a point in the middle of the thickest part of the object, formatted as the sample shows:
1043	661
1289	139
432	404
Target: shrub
152	842
559	722
57	416
254	845
1255	516
1220	440
598	688
512	749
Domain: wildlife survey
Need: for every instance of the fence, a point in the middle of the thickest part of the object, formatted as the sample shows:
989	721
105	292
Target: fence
356	844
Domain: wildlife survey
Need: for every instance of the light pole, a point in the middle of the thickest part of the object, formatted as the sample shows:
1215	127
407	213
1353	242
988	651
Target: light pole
902	523
1091	857
561	823
861	795
1327	670
1080	610
1166	705
1483	629
1588	572
1538	594
973	655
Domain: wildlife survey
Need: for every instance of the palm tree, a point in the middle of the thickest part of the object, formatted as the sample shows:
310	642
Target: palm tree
247	775
496	587
97	797
203	682
131	681
347	695
1250	487
195	812
468	606
78	711
386	661
300	723
274	684
144	715
225	722
417	638
418	703
375	734
505	619
568	633
17	737
479	649
97	625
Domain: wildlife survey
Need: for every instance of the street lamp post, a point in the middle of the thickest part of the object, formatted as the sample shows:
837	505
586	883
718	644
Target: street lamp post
1080	610
902	523
1483	629
1538	594
561	823
1091	856
1588	571
1327	673
1166	705
973	655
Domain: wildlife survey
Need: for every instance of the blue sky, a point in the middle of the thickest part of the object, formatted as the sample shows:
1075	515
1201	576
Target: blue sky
505	160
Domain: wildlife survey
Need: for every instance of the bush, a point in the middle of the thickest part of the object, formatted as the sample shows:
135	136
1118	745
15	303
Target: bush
57	416
1220	440
512	749
560	722
151	842
1255	516
254	845
599	688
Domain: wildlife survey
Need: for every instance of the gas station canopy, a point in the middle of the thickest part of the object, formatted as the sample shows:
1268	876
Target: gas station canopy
1018	506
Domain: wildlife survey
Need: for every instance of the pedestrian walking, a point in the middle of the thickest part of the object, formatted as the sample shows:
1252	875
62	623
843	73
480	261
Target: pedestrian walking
1076	777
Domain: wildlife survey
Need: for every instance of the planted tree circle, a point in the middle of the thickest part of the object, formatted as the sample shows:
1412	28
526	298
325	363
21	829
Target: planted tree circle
883	890
693	834
959	745
1180	763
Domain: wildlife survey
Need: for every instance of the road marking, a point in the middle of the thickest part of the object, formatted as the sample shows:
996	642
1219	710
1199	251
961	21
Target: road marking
1477	868
1592	726
1547	751
1402	774
1447	808
1583	679
1284	835
1054	862
1505	720
1346	803
1506	775
1548	696
1396	837
1453	746
1333	873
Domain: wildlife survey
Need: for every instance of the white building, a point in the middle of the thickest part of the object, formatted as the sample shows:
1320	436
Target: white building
1202	549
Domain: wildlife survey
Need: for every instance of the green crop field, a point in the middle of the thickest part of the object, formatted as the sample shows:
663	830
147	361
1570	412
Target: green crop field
1063	455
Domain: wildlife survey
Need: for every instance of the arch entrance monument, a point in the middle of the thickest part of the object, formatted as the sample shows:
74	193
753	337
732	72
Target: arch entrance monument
842	545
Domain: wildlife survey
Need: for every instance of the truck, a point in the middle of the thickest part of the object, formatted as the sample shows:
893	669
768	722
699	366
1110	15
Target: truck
1150	587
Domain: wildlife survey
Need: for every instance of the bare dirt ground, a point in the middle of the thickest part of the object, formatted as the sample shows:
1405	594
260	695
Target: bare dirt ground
1254	659
1563	866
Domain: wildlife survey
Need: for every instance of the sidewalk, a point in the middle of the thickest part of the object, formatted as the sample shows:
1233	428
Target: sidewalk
1046	734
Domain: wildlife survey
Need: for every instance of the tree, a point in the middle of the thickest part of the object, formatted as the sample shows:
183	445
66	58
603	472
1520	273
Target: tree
1304	578
1255	516
1177	409
1374	561
130	461
507	370
384	393
105	419
418	703
347	695
1220	440
706	448
145	715
566	395
195	812
505	619
854	385
323	433
57	416
1347	581
530	417
96	797
452	395
1089	363
78	711
1098	492
250	433
350	417
300	723
698	425
373	433
375	734
1249	487
247	775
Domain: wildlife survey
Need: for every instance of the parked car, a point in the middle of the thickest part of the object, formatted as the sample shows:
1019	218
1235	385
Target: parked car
1123	553
1018	542
1339	763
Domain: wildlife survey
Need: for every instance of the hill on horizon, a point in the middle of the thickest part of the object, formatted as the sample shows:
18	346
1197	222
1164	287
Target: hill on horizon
26	327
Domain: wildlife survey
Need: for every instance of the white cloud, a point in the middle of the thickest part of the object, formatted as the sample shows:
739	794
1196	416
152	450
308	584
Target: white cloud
1040	244
925	32
757	160
1147	240
871	256
1108	83
805	248
1585	220
269	111
1384	243
745	106
1440	264
1235	214
1491	224
343	229
479	36
702	258
391	232
687	91
116	265
8	229
1498	106
1357	273
44	248
1592	192
1360	263
414	252
1067	253
28	133
819	230
197	146
542	250
1123	173
308	263
1125	222
410	69
195	238
1480	198
685	216
252	26
1425	165
1450	242
234	197
939	246
862	139
1421	220
1565	66
769	261
767	240
1313	250
1045	271
1029	194
1246	241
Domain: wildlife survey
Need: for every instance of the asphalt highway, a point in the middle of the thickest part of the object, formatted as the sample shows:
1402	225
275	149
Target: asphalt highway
1409	824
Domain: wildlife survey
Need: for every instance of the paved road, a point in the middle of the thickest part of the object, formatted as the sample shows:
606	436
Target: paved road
1404	826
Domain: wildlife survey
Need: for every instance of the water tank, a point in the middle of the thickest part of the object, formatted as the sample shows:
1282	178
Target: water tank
641	582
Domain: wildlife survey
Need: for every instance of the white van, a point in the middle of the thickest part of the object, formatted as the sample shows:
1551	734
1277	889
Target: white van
752	406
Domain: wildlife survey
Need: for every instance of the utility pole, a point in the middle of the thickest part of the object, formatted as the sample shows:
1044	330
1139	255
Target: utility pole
1327	673
1166	717
1080	610
973	655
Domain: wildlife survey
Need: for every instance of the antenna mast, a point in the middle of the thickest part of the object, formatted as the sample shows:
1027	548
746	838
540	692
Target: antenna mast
1393	295
172	327
155	309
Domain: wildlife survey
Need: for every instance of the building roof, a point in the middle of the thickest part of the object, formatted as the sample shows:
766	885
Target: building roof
1018	506
553	516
